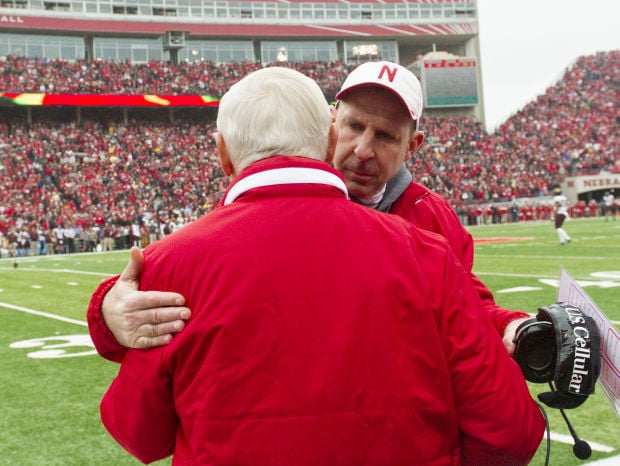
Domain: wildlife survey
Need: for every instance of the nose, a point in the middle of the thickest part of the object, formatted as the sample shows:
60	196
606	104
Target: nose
363	149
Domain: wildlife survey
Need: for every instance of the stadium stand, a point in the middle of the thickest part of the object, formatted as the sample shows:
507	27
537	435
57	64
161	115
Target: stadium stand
114	181
21	75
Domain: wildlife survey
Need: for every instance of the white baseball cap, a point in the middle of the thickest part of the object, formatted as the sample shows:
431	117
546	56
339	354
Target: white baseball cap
391	76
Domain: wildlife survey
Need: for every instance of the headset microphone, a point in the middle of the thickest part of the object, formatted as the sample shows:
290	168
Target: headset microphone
581	449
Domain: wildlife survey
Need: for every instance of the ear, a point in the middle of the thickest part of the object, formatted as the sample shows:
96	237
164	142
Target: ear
415	142
333	110
332	137
222	151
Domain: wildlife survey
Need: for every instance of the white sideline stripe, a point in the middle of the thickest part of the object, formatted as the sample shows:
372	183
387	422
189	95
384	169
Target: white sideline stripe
81	272
43	314
532	275
568	439
613	461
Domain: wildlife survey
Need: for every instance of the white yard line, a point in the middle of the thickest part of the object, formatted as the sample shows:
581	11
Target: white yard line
43	314
569	440
613	461
81	272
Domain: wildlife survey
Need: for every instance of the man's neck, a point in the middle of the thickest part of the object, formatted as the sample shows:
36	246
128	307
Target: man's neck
394	189
373	200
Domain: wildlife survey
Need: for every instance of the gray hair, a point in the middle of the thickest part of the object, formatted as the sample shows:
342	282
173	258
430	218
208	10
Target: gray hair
272	111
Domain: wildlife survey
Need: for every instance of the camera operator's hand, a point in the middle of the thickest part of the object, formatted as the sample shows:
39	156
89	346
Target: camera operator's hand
142	319
510	333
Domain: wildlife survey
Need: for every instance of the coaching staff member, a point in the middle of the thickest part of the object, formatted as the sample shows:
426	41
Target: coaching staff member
322	332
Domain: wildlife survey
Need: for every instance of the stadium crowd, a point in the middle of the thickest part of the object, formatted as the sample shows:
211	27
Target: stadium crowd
77	186
20	74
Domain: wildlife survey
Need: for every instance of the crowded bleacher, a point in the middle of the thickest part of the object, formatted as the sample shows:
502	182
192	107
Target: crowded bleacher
104	184
21	74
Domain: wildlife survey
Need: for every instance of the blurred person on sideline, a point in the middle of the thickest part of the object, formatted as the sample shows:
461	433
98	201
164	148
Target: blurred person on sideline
322	332
375	141
609	205
560	215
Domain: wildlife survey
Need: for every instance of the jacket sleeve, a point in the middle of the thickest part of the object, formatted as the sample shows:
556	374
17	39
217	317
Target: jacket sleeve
462	245
103	339
498	420
501	316
430	211
138	408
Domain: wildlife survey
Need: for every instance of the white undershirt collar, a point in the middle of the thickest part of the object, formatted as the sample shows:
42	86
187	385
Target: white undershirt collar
374	200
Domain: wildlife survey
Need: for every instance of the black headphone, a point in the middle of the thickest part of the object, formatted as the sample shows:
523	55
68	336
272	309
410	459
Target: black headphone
561	345
535	350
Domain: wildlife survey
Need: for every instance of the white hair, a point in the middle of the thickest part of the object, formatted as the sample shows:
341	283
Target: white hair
272	111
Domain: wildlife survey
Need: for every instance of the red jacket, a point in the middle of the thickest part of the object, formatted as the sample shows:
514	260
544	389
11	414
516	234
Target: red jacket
322	333
427	209
414	202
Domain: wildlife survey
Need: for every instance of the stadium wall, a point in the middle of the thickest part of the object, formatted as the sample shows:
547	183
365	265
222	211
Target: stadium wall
588	187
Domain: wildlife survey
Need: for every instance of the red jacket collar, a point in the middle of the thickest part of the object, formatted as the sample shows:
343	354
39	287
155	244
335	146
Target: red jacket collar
281	170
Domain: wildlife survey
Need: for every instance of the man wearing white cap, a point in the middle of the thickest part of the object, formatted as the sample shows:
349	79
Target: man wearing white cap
377	118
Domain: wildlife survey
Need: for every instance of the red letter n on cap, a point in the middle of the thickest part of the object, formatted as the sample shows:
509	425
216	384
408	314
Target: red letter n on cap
391	72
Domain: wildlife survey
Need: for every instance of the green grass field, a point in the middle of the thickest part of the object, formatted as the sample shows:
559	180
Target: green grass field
50	403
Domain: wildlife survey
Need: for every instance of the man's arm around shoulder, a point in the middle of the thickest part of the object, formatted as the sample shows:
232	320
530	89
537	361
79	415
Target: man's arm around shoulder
120	316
